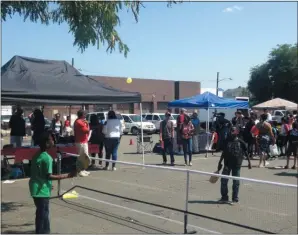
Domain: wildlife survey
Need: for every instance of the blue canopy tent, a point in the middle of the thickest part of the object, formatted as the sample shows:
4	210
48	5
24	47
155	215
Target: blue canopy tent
208	101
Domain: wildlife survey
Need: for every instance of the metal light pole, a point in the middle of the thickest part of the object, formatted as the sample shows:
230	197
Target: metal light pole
217	81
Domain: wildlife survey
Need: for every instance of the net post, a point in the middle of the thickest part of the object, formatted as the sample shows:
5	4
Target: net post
59	158
186	202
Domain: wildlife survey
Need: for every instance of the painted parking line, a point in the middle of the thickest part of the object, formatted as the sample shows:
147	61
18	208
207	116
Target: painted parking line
193	195
148	214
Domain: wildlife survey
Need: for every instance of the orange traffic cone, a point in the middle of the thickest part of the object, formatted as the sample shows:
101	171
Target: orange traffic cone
131	142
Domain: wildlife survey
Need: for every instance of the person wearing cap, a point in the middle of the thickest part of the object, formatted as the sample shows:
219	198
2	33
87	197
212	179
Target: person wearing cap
233	154
166	137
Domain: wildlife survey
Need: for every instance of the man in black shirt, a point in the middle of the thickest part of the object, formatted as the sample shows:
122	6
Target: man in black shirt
166	137
222	127
233	155
17	128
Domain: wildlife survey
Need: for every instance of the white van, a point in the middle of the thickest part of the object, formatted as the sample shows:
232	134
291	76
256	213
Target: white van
133	124
104	116
156	119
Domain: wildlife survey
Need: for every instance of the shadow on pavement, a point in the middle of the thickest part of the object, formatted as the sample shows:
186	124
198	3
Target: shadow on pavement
287	174
5	228
135	153
17	232
204	202
10	206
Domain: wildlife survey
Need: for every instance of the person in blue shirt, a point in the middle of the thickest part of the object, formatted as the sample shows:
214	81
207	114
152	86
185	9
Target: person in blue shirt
195	139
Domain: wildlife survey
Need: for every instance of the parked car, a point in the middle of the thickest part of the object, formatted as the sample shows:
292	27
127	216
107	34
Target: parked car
5	121
156	119
104	116
48	123
277	115
28	126
133	124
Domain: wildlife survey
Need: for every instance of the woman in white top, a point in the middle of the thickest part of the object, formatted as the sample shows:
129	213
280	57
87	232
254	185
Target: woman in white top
112	131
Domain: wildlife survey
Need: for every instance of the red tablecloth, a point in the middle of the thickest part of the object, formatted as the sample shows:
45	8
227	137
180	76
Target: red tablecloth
28	153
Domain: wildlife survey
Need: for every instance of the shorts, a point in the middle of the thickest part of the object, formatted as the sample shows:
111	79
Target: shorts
264	143
292	149
83	161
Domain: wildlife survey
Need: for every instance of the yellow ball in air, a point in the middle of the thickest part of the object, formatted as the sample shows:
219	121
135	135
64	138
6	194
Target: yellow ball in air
128	80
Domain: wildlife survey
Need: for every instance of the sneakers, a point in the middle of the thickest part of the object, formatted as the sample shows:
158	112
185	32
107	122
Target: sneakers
235	201
267	163
107	168
185	164
190	163
223	200
82	174
294	167
86	172
172	163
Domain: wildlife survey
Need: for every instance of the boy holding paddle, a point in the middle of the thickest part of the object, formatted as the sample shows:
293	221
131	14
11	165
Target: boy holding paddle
40	183
233	155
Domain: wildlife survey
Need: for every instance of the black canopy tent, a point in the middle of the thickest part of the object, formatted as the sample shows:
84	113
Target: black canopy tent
27	81
49	82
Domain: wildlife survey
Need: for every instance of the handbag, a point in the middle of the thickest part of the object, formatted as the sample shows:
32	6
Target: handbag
273	150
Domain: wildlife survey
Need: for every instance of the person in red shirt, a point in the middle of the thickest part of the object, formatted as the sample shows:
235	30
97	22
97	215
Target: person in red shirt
81	132
180	121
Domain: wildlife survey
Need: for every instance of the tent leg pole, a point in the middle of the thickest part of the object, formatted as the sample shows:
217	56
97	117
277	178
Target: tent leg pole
69	113
208	116
142	135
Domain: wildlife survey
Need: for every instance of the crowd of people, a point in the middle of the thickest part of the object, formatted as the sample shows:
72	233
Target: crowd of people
238	138
261	132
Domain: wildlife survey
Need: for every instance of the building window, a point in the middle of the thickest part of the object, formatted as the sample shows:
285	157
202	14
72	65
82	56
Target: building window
162	105
147	107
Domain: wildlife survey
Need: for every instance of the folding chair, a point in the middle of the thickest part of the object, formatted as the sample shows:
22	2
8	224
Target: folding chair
147	142
6	159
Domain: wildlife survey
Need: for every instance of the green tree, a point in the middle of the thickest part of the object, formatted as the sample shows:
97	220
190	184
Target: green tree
278	77
90	22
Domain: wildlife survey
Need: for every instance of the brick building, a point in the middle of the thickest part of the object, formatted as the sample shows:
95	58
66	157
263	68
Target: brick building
155	95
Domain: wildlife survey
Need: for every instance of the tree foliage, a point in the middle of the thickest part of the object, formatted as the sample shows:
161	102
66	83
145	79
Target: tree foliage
278	77
90	22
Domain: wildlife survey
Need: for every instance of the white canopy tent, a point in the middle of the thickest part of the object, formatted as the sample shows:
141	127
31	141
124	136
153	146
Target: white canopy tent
277	103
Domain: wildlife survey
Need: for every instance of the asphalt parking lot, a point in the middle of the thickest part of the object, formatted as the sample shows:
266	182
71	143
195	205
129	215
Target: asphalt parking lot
262	208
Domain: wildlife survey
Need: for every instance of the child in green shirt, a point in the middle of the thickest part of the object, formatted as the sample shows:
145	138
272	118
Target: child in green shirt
40	183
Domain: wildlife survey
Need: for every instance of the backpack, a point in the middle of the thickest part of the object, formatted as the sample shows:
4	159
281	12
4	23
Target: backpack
235	152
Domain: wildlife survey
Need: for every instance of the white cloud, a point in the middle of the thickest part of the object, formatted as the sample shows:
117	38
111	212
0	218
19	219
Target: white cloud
232	9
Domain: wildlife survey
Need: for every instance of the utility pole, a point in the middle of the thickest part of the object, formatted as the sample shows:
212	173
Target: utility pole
72	62
217	81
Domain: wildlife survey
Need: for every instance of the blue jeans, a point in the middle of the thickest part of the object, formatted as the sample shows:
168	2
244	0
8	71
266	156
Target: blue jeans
168	146
224	183
111	146
16	140
187	148
42	219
